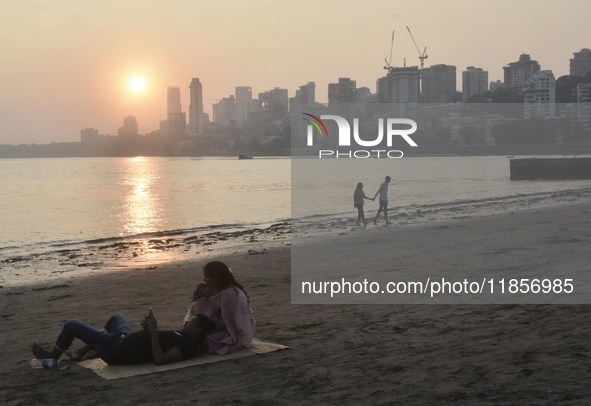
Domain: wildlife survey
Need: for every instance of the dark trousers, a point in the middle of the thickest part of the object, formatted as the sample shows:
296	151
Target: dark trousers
105	342
360	213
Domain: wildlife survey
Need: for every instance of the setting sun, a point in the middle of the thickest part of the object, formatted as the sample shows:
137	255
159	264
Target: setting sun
137	84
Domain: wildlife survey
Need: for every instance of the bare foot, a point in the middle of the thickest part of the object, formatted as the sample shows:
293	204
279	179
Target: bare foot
40	353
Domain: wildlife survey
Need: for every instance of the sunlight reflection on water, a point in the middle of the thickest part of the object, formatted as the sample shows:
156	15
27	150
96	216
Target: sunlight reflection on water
49	203
142	209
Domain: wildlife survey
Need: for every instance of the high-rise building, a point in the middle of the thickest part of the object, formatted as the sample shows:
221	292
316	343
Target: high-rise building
364	95
584	93
474	82
273	98
576	116
243	103
304	99
400	85
175	125
496	85
308	93
196	117
224	112
581	63
584	110
517	73
439	83
342	92
173	100
129	127
540	95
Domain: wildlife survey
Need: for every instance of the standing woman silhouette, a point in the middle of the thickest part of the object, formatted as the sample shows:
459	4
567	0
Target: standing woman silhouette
358	197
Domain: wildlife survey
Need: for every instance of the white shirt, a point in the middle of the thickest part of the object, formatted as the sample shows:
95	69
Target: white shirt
383	192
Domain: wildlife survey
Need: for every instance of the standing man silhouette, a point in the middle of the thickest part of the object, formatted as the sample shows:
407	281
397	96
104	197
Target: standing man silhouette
383	192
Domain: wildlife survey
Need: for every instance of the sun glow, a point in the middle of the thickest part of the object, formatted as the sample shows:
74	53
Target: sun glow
137	84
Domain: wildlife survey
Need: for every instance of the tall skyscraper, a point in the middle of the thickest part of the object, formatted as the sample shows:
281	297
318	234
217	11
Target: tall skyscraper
581	63
517	73
439	83
196	108
474	82
173	100
175	125
540	95
400	85
243	103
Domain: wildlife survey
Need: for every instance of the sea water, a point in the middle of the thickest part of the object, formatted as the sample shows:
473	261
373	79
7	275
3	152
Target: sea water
323	188
64	203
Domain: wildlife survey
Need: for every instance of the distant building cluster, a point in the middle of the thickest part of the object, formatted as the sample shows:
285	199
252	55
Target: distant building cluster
243	123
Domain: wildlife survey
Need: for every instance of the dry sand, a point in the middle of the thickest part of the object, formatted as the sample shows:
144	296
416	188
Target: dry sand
341	354
547	244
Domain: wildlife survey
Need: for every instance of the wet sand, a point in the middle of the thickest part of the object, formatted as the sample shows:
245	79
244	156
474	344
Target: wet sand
340	354
105	256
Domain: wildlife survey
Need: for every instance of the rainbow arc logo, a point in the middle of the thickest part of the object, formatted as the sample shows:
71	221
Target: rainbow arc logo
316	125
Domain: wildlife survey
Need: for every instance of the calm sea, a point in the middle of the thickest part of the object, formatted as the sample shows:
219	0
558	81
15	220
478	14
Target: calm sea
52	204
323	188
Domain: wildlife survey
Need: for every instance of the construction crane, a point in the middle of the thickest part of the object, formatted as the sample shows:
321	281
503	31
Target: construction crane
422	56
388	66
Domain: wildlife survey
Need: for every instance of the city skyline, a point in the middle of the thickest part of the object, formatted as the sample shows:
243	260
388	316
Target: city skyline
68	65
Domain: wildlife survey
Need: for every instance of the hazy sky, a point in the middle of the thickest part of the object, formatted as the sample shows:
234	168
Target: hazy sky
67	64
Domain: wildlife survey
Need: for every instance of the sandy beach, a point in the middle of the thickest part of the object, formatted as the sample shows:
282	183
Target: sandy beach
381	354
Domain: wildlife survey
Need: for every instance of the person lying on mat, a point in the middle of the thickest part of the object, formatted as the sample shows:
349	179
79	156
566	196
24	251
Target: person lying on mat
224	301
116	344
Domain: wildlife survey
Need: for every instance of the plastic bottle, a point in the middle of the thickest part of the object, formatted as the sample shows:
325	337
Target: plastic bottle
46	363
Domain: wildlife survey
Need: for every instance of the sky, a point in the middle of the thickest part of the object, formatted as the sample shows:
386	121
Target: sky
67	64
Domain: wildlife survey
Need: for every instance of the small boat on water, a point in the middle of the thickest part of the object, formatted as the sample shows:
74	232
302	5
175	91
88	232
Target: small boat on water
244	157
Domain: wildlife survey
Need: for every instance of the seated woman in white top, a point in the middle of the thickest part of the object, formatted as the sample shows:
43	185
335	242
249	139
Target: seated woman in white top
224	301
